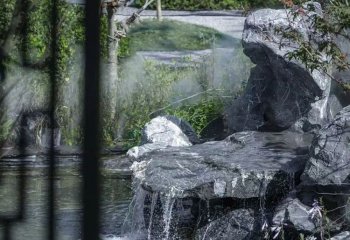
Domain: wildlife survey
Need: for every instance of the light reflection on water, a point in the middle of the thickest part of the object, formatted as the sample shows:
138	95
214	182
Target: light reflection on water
116	196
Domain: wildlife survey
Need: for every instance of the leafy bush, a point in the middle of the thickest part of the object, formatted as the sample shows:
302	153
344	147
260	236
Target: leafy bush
200	114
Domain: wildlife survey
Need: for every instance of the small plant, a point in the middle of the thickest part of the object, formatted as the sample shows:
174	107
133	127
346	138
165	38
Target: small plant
315	213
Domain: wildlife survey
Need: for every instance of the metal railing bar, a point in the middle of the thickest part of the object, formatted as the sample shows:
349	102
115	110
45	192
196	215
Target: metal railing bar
22	182
22	169
53	98
7	232
91	123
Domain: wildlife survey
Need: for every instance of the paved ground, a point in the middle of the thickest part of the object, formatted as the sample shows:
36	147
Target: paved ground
176	58
228	22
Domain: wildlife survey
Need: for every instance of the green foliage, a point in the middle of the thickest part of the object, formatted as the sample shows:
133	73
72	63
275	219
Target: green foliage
200	114
38	42
5	130
152	91
147	95
212	4
70	34
7	8
327	54
158	90
104	36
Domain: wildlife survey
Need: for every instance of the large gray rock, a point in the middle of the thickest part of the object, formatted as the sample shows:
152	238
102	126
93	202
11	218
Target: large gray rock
162	132
333	107
279	90
342	236
329	162
344	76
245	165
237	225
165	130
296	213
185	127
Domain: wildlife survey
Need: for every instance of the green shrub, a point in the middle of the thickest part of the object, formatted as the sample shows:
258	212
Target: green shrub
200	114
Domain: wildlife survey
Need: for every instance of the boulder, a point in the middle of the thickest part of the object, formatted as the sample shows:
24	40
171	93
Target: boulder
296	214
245	165
215	130
185	127
344	96
162	132
329	161
279	91
238	225
165	130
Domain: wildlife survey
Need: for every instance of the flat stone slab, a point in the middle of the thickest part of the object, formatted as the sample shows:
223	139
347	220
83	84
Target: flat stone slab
245	165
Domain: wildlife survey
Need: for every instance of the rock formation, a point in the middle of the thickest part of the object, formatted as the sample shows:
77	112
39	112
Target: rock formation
280	91
330	153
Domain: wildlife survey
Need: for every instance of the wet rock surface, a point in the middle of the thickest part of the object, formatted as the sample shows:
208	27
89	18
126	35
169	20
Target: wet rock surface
279	90
238	225
245	165
333	107
296	214
342	236
329	162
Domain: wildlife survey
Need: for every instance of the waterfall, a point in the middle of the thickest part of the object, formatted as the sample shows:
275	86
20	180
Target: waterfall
152	224
167	214
153	205
134	221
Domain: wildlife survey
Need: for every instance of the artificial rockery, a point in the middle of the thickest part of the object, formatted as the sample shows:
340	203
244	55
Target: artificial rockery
281	173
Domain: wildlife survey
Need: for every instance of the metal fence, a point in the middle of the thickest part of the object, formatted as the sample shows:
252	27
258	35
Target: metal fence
91	144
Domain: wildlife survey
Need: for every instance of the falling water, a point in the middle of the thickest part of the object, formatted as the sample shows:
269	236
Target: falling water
153	205
134	221
167	214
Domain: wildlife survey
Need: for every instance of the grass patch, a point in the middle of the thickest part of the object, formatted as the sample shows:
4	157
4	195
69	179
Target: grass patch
169	35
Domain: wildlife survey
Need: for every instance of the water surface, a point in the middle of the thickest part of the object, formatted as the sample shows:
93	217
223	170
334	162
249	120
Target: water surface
116	196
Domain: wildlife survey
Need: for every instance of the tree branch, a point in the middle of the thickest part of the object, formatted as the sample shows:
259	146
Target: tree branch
135	15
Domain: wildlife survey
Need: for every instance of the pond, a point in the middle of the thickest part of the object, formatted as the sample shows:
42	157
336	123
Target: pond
116	197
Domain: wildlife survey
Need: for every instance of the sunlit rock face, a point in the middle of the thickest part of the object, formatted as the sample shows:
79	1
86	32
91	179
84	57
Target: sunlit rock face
245	165
279	90
329	163
162	132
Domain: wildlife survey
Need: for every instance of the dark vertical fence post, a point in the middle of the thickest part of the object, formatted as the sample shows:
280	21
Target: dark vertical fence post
7	233
53	99
90	165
